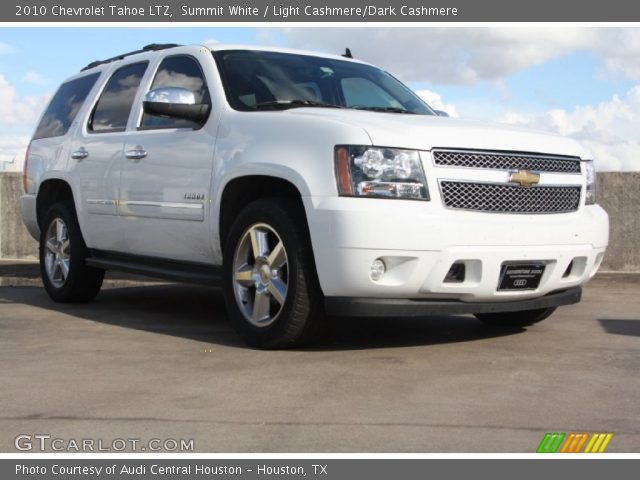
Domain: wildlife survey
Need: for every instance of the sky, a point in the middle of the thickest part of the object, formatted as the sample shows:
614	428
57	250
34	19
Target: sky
576	81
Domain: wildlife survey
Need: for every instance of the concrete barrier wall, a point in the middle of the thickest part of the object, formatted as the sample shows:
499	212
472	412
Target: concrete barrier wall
15	241
618	193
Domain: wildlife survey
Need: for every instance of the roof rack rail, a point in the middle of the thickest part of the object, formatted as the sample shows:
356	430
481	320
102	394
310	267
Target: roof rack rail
147	48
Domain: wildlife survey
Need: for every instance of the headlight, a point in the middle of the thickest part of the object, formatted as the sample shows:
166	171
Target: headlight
364	171
590	195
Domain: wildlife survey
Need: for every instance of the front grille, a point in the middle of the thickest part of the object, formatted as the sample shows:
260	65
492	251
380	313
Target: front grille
498	198
506	161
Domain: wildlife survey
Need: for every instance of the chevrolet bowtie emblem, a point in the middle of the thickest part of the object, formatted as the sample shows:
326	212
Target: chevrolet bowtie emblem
524	177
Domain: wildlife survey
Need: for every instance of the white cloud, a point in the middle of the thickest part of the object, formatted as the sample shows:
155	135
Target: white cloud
12	150
18	109
619	49
457	55
435	101
18	113
35	78
6	48
447	55
609	129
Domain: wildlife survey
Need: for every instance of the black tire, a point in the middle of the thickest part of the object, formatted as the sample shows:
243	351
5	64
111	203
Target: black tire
523	318
299	317
82	283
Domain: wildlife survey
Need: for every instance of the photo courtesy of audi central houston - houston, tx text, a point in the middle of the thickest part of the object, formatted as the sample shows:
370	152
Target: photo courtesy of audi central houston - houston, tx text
275	239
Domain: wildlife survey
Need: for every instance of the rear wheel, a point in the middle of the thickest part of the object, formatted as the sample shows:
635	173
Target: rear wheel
515	319
65	275
270	284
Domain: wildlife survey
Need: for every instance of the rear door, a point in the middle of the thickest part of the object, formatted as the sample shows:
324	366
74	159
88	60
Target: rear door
97	151
166	172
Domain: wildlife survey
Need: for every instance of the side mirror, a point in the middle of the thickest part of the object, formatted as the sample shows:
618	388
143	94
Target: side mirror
174	102
441	113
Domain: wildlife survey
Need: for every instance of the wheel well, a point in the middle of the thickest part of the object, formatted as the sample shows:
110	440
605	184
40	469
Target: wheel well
240	192
50	192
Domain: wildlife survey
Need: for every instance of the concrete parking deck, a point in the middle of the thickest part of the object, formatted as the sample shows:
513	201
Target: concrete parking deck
161	361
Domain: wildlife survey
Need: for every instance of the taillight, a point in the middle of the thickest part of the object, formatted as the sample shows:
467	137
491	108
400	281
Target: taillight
25	167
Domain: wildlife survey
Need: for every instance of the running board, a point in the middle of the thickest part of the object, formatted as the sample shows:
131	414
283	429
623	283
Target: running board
196	273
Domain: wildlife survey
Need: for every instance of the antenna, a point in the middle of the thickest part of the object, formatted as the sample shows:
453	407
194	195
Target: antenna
347	53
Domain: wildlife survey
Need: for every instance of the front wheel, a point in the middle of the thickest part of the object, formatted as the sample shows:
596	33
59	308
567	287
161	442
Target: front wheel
270	285
65	275
522	318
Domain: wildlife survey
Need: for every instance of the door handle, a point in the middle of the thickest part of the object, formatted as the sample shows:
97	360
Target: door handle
136	154
80	154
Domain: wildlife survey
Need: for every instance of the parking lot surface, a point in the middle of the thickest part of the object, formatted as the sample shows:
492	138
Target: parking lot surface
148	361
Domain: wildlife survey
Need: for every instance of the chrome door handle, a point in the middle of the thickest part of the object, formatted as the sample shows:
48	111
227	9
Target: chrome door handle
80	154
136	154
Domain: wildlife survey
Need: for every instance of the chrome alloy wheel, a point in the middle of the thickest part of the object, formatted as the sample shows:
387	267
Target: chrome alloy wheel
260	275
57	254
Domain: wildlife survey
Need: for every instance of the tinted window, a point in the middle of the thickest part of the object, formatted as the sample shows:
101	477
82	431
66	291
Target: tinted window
178	71
359	91
64	106
114	105
256	80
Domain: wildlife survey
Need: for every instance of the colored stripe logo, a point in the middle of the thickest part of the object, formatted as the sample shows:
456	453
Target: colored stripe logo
559	442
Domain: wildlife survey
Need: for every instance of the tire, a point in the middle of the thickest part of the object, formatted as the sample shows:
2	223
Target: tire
523	318
271	290
66	277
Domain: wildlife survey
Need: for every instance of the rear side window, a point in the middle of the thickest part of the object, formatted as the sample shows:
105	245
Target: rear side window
178	71
64	106
111	113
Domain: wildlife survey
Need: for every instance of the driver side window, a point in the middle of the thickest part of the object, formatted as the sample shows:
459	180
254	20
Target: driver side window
178	71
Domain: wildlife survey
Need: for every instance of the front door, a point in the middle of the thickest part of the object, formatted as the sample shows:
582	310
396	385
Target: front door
166	175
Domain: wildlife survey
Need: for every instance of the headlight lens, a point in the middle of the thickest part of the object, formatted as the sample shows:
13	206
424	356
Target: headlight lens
365	171
590	196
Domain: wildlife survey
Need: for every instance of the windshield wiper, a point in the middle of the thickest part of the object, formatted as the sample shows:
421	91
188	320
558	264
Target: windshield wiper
286	104
385	109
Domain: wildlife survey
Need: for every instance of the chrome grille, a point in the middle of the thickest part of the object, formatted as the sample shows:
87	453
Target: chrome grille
499	198
506	161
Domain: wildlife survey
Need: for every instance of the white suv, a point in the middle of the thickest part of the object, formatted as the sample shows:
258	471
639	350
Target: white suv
304	184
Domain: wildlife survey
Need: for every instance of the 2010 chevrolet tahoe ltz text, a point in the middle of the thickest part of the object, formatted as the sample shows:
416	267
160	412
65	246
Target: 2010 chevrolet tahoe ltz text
305	185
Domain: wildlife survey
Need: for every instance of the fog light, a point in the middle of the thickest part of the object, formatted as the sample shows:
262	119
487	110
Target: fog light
377	269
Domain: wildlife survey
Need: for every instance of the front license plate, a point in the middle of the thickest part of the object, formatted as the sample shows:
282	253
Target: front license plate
521	276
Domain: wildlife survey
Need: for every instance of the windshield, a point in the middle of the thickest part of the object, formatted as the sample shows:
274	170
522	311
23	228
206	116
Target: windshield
258	80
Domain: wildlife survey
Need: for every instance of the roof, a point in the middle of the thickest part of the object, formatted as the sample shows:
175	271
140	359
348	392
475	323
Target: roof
216	47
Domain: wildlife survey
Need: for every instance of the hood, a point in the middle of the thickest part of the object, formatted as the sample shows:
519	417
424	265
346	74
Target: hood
422	132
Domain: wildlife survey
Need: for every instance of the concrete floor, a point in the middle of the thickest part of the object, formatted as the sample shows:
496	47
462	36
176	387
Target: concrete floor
161	361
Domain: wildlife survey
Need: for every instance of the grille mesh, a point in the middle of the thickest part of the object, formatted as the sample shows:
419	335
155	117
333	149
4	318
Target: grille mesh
488	197
506	161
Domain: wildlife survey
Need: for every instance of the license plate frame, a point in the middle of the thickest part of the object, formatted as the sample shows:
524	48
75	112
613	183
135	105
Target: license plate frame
524	275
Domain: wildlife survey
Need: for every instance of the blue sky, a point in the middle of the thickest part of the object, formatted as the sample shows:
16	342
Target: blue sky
561	79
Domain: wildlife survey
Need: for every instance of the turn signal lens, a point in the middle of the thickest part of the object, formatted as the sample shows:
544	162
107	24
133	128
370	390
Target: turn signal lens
25	168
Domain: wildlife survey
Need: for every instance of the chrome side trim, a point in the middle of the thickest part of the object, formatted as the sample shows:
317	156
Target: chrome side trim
197	206
99	206
93	201
162	210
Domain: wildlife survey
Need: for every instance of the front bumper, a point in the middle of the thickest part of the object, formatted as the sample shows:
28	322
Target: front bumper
420	241
392	307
